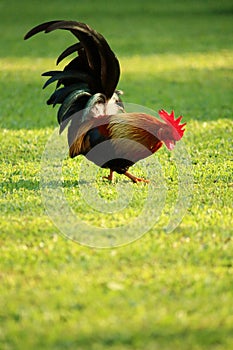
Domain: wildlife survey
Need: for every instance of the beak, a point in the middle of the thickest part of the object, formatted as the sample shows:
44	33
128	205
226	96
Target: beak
170	144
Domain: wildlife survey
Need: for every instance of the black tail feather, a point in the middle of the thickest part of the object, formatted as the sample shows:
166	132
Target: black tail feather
100	58
71	49
88	80
59	95
66	77
40	28
70	102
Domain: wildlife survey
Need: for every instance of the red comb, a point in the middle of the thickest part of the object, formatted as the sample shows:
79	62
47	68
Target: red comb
170	119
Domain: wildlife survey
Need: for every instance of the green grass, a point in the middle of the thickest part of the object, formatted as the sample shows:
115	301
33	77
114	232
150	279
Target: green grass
164	291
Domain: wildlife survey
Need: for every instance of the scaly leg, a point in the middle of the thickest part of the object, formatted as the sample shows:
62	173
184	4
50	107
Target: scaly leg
110	176
134	178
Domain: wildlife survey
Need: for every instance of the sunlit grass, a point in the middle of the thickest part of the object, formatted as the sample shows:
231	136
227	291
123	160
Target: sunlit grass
136	63
172	62
181	82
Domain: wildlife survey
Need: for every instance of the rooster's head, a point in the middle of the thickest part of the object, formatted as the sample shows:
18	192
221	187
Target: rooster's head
172	130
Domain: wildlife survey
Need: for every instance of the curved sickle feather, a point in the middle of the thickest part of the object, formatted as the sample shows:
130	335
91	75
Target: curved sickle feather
40	28
71	49
101	59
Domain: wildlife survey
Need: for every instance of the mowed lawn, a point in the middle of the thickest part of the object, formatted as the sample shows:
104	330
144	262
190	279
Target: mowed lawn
163	291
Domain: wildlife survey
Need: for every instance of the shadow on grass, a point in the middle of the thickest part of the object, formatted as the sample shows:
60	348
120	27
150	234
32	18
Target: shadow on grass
162	338
30	185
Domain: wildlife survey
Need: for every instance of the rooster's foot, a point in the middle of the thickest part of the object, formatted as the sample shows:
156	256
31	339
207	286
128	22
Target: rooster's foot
135	179
109	177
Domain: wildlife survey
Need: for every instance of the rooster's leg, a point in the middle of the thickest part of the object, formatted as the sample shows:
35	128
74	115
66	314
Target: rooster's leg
109	177
134	178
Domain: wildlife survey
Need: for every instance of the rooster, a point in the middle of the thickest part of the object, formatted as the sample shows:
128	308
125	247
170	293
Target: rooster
99	128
